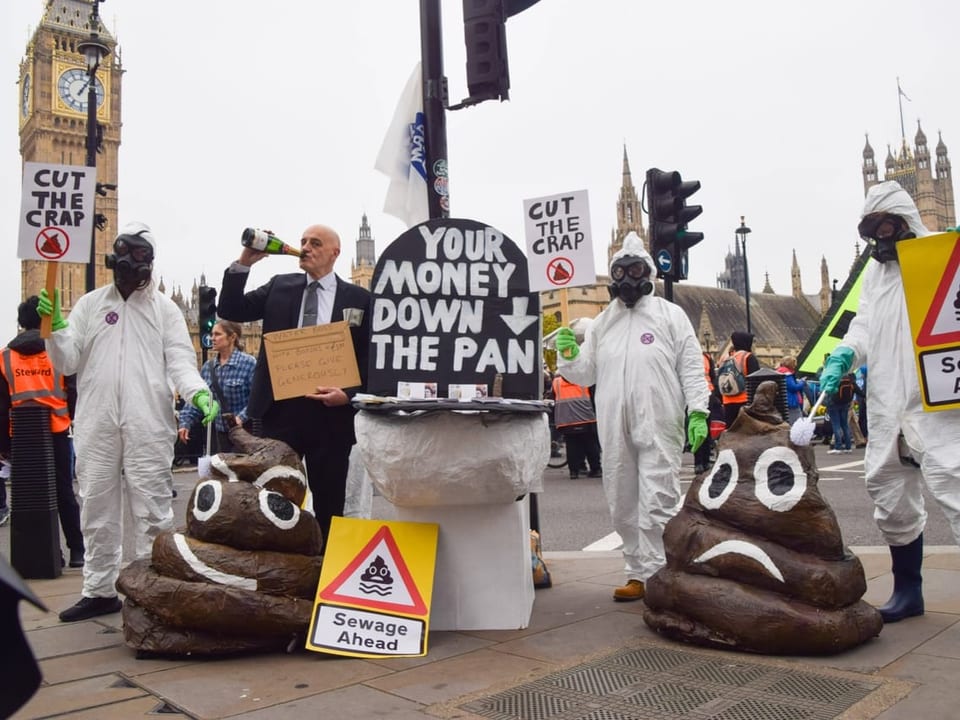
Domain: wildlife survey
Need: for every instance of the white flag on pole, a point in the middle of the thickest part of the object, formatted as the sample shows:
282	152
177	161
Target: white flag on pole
403	156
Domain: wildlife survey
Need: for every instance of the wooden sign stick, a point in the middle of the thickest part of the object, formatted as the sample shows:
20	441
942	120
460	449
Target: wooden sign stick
46	321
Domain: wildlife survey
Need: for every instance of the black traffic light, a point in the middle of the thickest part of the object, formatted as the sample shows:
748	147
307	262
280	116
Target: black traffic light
206	314
485	36
669	213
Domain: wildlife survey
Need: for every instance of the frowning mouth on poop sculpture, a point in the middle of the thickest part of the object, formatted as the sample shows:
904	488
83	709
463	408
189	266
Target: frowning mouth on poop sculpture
755	557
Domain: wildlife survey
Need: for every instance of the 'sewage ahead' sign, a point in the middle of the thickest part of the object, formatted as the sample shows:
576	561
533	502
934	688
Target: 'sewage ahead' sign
56	212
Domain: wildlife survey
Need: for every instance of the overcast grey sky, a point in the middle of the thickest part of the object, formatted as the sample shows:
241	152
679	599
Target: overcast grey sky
239	113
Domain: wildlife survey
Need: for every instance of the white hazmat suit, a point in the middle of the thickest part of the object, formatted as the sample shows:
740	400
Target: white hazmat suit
647	366
126	355
880	337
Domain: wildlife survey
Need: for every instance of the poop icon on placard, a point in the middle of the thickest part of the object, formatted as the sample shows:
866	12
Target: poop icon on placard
376	579
560	272
51	245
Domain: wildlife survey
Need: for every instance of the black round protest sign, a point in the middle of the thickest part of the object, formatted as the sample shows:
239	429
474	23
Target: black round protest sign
452	310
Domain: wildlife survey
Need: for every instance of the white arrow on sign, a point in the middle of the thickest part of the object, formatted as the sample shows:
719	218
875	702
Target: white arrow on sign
519	320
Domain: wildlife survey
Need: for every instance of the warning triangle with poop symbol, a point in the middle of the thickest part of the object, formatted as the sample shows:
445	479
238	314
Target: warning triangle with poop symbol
942	323
377	578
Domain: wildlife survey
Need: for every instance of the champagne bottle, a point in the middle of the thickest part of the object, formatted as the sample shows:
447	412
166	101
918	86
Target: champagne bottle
266	242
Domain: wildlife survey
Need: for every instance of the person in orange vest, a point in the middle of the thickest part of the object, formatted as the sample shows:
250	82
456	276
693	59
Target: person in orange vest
576	420
27	375
701	457
732	371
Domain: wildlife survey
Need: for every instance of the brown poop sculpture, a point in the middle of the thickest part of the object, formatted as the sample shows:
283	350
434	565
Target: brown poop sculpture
243	575
755	559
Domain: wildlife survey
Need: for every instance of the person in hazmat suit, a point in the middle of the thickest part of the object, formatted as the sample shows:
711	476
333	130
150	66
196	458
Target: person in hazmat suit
906	443
642	354
128	344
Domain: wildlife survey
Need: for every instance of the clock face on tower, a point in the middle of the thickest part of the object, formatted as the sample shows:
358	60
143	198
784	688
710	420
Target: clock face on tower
73	87
25	96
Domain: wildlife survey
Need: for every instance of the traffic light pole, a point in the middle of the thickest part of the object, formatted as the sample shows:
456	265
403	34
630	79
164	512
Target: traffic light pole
206	318
668	217
668	288
434	113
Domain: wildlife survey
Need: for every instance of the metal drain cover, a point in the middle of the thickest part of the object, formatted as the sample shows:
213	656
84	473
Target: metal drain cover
666	683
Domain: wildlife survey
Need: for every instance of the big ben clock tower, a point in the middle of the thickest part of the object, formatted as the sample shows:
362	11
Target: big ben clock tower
53	123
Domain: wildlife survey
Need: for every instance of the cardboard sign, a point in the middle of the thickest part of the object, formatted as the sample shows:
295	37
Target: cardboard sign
559	245
56	212
300	360
452	307
931	284
373	599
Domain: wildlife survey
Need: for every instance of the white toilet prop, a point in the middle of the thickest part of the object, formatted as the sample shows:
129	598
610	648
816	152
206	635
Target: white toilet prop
452	430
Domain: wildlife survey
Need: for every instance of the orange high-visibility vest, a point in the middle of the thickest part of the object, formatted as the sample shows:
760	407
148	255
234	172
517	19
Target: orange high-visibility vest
32	378
706	372
740	358
572	405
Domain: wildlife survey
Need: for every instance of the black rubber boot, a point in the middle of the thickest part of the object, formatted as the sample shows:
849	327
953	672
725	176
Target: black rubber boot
907	598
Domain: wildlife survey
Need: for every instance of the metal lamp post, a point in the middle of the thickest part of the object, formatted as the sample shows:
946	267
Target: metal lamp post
94	51
742	233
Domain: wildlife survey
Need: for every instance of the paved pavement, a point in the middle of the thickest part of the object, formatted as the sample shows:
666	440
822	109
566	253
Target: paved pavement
89	673
910	669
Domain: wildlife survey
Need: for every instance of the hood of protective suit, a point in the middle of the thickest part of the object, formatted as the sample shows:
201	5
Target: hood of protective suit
633	245
889	197
143	230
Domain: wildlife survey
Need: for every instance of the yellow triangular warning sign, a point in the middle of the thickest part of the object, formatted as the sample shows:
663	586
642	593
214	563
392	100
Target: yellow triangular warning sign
942	323
377	578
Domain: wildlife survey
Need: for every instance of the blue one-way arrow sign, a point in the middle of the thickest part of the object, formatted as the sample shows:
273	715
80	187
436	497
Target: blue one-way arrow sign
664	261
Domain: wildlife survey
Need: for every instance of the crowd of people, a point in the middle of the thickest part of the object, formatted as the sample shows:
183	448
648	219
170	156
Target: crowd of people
631	395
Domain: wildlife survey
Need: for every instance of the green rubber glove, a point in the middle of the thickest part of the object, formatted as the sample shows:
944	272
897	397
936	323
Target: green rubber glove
836	366
696	429
207	405
566	343
46	307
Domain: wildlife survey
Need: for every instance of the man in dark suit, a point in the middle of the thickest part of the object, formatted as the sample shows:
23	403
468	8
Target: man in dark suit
319	426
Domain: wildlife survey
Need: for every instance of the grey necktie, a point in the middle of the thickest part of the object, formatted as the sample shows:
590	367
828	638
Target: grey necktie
310	305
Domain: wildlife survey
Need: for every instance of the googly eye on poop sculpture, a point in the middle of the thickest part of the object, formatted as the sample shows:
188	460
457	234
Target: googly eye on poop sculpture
755	557
243	574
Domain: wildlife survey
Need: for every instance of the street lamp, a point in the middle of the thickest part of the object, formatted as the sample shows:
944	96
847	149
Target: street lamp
742	233
94	51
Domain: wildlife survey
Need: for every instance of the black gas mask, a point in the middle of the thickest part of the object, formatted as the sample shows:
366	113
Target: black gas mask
131	261
882	231
631	280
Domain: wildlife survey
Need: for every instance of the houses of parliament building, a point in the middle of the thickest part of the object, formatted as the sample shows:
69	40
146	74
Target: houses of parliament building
53	129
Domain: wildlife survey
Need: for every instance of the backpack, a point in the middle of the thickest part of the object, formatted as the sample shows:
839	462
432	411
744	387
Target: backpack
845	390
730	379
